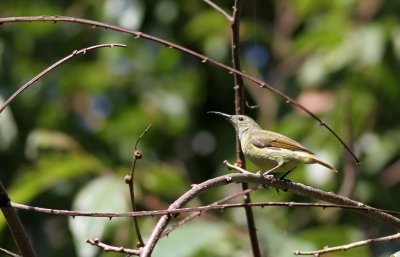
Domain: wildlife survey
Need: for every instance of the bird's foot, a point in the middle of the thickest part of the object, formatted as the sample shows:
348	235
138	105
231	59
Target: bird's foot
266	173
288	181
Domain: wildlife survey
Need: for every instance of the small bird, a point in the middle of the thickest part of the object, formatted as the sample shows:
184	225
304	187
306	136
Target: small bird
270	151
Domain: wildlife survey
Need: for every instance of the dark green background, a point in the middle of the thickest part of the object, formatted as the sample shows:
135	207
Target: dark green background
67	141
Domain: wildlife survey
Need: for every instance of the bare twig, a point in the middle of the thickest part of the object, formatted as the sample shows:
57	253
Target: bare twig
53	66
348	246
350	170
201	209
137	155
235	51
218	9
15	225
2	250
239	109
203	59
110	248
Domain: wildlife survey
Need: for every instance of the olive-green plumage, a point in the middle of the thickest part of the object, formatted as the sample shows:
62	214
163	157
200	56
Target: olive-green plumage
270	151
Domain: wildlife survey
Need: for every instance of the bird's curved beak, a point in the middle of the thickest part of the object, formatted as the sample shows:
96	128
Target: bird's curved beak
226	116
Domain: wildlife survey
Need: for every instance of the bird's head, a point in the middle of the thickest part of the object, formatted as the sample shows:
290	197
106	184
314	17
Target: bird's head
242	123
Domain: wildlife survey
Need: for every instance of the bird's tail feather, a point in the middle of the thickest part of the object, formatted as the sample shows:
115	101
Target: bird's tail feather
323	163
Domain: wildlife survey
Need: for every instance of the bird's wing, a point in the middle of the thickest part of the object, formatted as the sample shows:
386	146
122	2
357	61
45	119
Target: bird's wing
263	139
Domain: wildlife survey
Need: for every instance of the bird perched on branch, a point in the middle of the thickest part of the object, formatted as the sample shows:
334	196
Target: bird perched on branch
270	151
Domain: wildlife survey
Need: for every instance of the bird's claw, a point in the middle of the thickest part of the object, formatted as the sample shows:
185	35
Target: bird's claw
288	181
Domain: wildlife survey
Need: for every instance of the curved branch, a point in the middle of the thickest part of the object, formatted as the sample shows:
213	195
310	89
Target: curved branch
349	246
53	66
203	59
269	181
129	179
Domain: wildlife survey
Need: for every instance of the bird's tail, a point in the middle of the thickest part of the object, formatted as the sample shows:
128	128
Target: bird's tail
316	160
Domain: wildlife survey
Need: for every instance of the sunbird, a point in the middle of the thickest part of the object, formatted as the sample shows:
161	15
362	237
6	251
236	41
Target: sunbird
269	151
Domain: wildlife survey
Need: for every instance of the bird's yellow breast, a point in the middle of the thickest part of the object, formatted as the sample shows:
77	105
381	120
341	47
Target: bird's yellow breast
268	157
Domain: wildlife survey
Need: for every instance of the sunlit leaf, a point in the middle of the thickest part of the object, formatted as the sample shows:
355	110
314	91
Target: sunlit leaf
104	194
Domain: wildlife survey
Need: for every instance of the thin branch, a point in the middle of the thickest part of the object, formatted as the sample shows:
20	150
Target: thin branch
137	155
238	79
349	246
204	59
2	250
110	248
239	109
331	197
349	169
219	9
201	209
15	225
297	188
53	66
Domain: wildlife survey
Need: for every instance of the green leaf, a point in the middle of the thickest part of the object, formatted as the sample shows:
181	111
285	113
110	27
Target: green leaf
278	241
164	180
48	171
103	194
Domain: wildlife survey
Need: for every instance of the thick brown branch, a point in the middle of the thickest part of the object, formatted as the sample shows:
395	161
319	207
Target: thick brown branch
15	225
331	197
269	181
300	189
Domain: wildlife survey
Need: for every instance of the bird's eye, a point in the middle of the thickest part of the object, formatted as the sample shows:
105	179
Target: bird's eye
241	119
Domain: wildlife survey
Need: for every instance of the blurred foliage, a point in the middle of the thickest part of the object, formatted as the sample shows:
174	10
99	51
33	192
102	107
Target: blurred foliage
68	140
